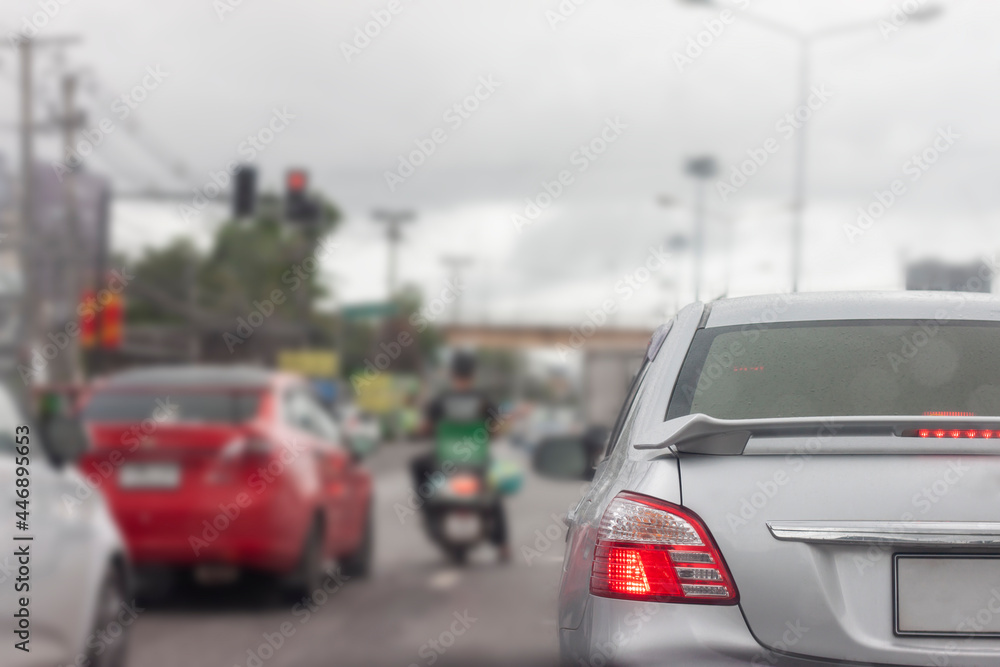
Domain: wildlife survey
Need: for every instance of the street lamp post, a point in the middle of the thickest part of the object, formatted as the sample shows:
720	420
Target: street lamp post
805	41
393	220
456	263
701	169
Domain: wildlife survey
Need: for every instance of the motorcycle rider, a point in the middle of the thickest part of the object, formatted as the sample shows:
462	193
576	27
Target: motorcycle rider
462	402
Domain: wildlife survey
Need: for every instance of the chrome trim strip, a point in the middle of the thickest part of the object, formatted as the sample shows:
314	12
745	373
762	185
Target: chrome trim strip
913	533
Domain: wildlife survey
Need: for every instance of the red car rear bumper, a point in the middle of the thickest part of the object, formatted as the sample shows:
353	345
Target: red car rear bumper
227	527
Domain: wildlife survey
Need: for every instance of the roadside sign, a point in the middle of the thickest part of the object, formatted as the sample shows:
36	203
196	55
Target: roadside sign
310	363
361	311
375	394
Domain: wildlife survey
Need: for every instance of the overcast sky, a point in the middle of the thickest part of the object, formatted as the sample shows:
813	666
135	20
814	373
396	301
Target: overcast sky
557	81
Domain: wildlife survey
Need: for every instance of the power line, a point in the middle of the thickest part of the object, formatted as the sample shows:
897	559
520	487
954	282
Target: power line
177	167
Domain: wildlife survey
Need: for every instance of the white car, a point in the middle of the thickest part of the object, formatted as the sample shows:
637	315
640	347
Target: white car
73	581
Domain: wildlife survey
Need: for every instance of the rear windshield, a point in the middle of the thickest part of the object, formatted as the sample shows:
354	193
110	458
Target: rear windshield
819	369
188	407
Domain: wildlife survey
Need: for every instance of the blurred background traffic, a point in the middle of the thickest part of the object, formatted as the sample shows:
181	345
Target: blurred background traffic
342	197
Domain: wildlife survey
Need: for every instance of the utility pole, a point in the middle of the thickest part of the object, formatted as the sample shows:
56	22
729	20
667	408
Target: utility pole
394	221
456	263
26	233
73	243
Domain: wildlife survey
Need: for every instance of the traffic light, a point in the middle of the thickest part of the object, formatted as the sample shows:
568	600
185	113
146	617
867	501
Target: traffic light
104	310
298	206
245	192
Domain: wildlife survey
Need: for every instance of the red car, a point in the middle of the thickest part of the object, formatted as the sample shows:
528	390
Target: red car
228	466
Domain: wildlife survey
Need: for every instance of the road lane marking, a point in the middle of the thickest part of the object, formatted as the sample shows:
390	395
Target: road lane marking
445	580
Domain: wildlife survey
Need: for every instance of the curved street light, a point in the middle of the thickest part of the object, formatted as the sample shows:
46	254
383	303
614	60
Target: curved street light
805	42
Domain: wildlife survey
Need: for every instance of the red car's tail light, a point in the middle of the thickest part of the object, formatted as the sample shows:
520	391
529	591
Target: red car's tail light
246	446
652	550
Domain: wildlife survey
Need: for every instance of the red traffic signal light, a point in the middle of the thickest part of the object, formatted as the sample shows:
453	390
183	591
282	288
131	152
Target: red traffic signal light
296	181
298	206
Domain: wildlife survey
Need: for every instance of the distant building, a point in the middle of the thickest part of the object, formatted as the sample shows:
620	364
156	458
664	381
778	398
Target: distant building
939	276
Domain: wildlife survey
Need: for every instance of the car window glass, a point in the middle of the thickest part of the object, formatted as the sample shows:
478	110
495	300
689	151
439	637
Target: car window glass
303	412
841	369
297	412
627	414
324	424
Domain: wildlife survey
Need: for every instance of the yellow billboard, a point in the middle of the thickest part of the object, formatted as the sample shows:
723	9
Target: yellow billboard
311	363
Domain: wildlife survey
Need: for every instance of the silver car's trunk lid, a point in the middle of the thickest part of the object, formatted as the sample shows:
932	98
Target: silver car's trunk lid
811	525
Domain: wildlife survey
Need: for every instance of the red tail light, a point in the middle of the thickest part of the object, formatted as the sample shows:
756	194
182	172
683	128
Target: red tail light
985	433
652	550
246	447
464	485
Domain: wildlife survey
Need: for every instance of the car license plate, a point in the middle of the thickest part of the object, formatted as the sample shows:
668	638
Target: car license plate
462	526
149	476
947	595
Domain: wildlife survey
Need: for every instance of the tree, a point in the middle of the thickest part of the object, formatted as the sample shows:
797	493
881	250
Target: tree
259	265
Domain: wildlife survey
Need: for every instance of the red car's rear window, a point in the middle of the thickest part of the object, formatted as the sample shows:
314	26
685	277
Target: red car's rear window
229	407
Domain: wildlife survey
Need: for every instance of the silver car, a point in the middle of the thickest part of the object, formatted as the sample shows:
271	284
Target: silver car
796	480
64	575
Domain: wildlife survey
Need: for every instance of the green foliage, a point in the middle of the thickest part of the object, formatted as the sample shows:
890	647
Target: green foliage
247	262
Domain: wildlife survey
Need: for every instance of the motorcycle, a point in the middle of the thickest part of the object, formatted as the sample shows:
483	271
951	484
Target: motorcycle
463	505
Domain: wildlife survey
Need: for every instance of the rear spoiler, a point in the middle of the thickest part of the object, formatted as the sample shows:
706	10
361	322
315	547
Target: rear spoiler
701	434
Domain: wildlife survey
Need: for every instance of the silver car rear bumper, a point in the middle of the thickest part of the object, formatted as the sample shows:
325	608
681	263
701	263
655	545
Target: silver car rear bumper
622	633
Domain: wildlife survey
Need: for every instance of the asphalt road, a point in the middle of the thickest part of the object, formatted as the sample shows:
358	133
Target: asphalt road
415	609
